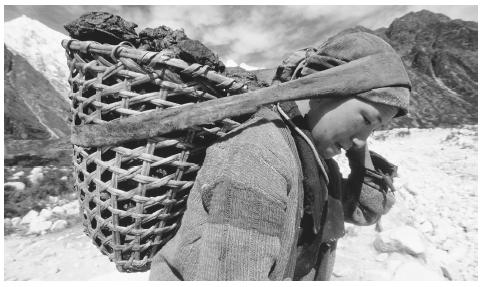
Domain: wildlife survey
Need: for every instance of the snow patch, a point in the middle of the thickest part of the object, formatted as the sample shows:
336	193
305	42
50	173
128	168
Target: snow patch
248	67
230	63
41	47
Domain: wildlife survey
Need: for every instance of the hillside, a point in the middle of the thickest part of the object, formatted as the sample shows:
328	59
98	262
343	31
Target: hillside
35	115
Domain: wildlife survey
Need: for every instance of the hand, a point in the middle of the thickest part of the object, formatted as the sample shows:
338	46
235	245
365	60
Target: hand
359	155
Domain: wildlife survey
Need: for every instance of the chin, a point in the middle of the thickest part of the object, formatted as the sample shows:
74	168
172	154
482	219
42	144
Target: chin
329	153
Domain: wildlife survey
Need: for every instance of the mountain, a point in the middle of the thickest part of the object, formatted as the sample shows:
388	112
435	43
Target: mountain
35	114
41	47
440	55
441	58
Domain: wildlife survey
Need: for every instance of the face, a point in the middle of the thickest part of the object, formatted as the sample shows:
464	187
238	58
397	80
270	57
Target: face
344	123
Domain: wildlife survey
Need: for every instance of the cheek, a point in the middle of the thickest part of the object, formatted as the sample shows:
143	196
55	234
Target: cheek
334	126
321	133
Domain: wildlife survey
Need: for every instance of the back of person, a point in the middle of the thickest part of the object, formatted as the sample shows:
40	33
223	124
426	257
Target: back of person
242	211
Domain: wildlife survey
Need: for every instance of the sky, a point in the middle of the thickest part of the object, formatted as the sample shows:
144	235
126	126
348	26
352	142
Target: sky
254	35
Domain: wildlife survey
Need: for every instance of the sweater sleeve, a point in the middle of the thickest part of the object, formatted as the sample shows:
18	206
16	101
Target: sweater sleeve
233	223
367	193
245	205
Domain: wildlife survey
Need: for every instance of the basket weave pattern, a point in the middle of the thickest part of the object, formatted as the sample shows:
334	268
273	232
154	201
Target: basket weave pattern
133	195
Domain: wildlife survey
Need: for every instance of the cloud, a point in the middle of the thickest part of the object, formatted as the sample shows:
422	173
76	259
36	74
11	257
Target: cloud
257	35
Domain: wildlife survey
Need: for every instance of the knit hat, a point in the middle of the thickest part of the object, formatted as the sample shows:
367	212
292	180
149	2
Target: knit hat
342	49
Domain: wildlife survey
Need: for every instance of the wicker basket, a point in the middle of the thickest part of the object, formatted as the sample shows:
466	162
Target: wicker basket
133	195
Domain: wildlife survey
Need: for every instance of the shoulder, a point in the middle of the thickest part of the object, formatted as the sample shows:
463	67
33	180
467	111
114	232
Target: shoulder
255	154
264	135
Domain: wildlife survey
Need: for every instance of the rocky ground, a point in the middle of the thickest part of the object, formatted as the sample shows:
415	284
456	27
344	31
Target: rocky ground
430	234
432	231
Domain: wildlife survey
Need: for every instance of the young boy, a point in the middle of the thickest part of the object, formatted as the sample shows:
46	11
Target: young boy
269	202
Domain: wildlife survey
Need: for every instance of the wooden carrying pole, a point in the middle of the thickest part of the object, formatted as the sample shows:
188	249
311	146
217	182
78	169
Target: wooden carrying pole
362	75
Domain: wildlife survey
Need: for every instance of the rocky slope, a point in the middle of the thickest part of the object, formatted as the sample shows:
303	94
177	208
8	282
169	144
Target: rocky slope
35	115
441	57
20	121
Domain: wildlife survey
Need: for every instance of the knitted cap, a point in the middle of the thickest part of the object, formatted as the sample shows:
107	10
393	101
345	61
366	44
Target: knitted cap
342	49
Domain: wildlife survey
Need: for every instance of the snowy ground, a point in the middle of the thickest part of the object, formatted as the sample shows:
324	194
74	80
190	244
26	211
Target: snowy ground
431	232
436	195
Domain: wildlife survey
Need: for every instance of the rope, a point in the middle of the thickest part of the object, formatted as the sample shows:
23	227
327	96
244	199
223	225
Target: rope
115	49
309	142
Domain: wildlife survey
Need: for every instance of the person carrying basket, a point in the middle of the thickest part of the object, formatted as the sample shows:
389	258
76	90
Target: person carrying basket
269	202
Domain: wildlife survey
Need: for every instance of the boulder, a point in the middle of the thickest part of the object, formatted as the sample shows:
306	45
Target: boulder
31	215
7	222
54	199
46	213
402	239
18	174
16	221
71	208
36	175
415	271
39	226
58	210
17	185
58	225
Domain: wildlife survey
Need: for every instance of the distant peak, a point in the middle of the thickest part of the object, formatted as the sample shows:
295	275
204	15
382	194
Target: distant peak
22	19
20	25
425	16
355	29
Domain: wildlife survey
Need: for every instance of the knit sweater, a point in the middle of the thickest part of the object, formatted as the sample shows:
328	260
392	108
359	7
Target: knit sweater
244	210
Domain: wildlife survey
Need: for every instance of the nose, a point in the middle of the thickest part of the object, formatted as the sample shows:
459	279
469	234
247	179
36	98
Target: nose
358	143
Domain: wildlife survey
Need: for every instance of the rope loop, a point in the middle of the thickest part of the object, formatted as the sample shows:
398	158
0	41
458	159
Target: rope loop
115	53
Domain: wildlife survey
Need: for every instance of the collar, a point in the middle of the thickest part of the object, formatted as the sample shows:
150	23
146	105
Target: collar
292	117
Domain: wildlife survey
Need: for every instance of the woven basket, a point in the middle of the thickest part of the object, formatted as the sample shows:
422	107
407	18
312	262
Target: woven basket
133	195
